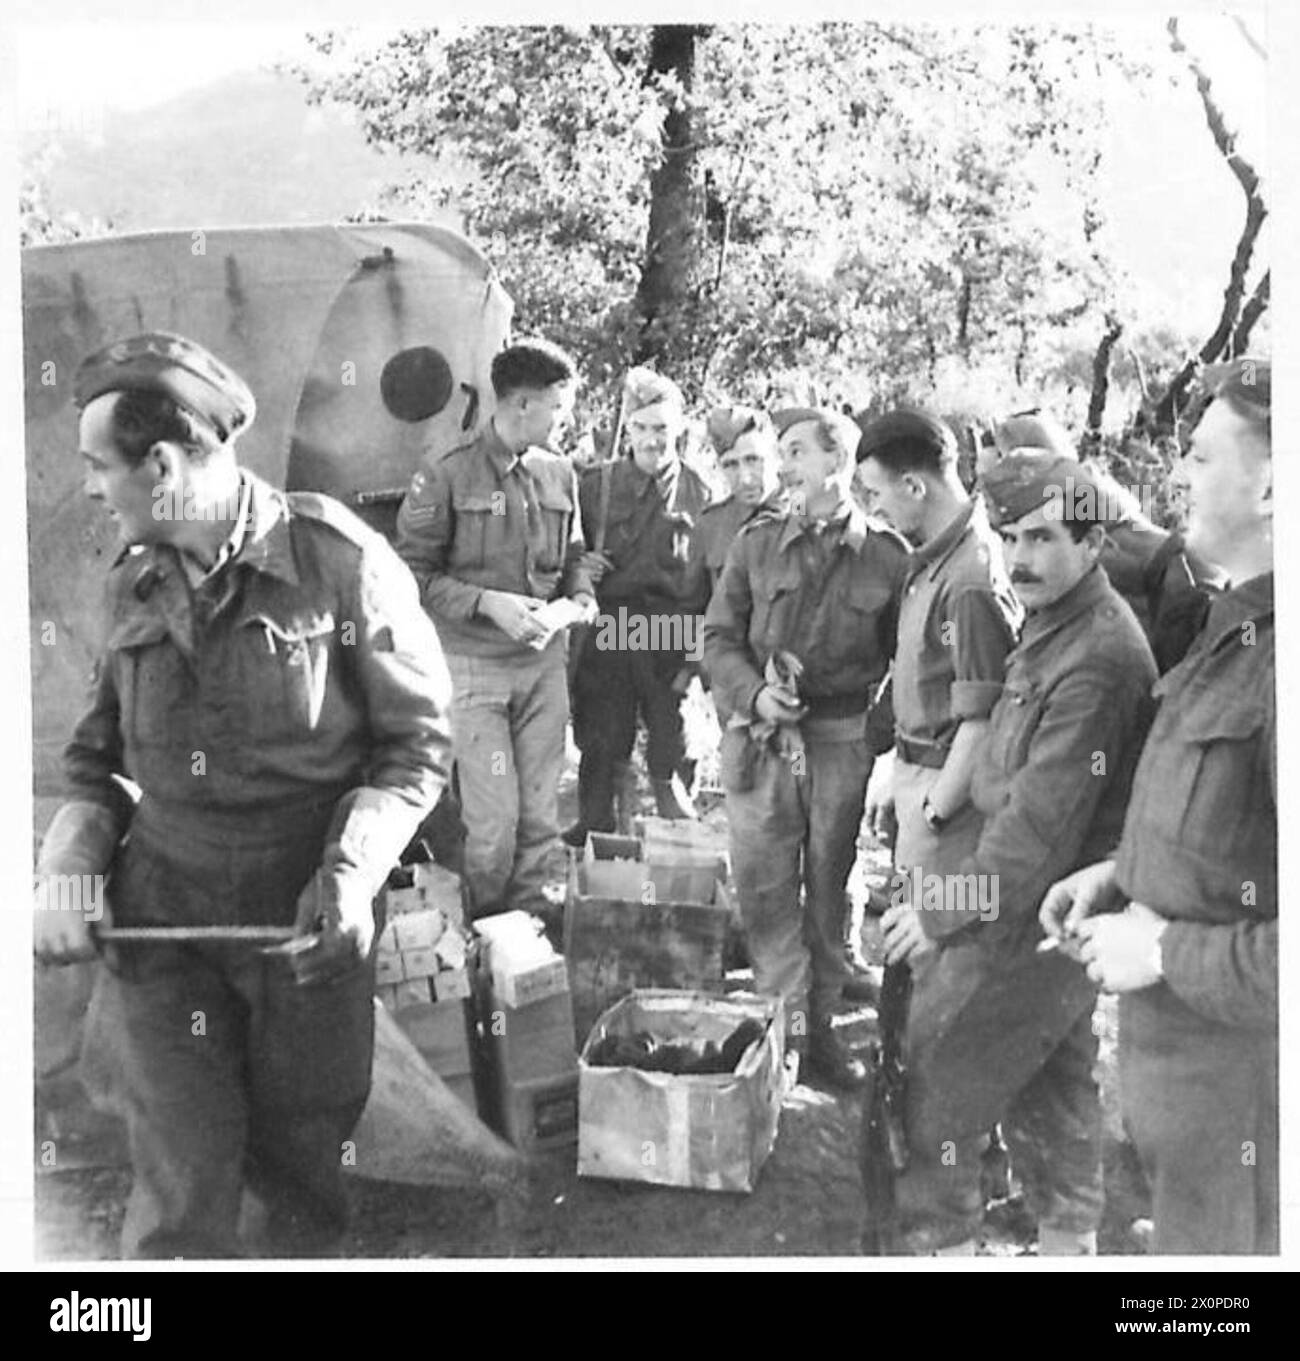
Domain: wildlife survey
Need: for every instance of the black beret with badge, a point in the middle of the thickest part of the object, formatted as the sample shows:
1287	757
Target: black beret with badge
183	370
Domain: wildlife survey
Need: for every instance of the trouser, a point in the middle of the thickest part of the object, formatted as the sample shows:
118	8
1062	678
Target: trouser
1200	1104
917	847
992	1040
612	687
507	729
792	823
225	1070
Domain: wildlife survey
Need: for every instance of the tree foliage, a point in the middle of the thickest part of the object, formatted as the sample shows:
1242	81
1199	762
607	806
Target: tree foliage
38	223
843	213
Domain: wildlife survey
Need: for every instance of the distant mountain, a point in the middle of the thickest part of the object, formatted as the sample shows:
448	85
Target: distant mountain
245	150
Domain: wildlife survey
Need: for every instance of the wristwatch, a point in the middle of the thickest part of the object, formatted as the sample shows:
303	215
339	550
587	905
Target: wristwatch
933	820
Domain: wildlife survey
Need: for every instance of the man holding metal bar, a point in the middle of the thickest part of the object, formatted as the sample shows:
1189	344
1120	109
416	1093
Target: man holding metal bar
271	684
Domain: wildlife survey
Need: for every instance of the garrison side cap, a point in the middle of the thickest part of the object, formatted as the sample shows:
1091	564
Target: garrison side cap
183	370
1028	481
794	415
1245	381
645	387
1032	430
726	424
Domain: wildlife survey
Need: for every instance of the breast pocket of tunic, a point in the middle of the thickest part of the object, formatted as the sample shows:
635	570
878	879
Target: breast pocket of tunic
853	632
1221	787
283	668
479	528
557	514
1012	724
775	600
155	687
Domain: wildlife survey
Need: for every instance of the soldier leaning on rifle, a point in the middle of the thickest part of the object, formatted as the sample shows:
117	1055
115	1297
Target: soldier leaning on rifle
492	533
1194	952
816	583
648	579
999	1031
273	687
956	625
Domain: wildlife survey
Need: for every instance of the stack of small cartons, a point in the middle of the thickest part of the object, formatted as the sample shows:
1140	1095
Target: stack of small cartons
526	1015
422	974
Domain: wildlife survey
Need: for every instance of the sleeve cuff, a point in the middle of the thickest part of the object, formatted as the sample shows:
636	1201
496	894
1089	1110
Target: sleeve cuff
974	699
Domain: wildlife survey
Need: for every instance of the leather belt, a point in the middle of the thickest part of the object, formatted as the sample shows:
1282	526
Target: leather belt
918	752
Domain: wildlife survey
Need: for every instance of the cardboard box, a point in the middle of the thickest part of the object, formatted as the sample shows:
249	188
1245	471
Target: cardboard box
713	1131
418	930
388	969
613	945
682	843
530	985
522	965
541	1114
682	883
422	888
442	889
422	963
441	1032
451	984
451	950
411	992
534	1041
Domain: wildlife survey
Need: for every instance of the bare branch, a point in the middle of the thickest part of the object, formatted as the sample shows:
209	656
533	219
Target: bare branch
1250	314
1250	38
1229	318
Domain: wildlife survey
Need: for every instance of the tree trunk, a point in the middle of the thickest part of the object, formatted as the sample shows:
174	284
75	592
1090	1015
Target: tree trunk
674	243
1101	383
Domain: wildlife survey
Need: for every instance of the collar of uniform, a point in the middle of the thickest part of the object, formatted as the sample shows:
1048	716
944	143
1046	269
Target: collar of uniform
846	517
944	544
263	544
194	570
1253	599
267	546
773	501
1083	597
499	454
644	481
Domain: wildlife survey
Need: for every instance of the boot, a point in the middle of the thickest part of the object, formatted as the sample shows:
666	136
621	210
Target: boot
672	800
598	782
832	1062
